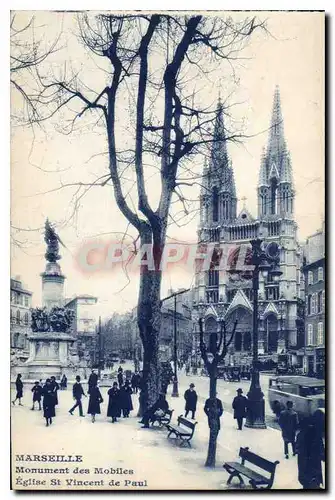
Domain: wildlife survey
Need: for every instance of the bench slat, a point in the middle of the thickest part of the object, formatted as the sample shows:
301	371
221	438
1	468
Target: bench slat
261	462
258	478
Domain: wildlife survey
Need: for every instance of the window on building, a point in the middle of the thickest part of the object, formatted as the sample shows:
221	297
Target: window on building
320	274
18	317
319	302
12	317
310	335
215	204
213	278
26	318
313	304
323	301
310	277
320	340
309	304
26	300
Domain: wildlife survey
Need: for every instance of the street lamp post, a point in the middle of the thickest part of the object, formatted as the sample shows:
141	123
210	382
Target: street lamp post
264	260
175	392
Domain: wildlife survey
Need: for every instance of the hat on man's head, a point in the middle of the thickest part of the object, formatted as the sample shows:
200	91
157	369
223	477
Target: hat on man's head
192	385
240	391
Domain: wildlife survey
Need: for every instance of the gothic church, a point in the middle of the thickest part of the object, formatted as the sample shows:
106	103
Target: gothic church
216	294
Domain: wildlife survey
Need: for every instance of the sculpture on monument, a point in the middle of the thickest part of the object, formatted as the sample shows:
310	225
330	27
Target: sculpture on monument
59	319
52	240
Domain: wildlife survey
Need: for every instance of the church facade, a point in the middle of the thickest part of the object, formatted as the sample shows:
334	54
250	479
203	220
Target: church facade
217	295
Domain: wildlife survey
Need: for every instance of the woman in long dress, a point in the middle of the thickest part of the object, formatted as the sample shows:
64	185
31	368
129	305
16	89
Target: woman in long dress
48	402
94	402
114	408
19	389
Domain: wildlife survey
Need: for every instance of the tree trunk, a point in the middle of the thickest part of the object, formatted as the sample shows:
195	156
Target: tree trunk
149	322
213	420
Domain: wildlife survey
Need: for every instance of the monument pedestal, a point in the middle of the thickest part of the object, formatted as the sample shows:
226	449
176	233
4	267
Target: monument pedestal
50	354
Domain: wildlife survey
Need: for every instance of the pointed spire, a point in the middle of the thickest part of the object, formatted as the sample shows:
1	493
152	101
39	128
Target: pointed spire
219	149
276	144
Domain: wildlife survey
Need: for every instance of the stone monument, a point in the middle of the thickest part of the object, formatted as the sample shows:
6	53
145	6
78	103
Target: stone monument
52	347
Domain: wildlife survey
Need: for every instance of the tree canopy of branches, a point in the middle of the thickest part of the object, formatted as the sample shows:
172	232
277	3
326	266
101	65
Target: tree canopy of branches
157	64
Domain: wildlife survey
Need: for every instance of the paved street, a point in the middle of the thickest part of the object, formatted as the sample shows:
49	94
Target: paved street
147	452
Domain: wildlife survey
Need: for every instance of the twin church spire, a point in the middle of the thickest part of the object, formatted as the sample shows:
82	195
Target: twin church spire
275	186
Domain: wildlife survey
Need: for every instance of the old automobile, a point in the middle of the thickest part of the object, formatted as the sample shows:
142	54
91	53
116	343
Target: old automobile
306	393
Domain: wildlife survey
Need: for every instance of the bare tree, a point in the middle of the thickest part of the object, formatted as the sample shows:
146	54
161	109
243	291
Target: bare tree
212	356
155	63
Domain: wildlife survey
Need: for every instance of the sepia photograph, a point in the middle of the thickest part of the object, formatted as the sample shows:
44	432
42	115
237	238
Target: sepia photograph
167	281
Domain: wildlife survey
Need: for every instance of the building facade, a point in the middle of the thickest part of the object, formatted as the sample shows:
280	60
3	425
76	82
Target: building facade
314	272
176	314
218	296
85	326
20	319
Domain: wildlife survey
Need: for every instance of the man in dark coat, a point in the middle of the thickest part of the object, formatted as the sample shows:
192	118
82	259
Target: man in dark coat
120	378
77	392
135	382
37	391
209	409
126	403
191	399
240	407
311	452
288	421
48	402
92	381
114	402
160	404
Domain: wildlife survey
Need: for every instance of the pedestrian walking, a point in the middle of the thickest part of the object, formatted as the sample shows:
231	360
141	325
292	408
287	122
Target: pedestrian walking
77	392
92	381
63	382
55	388
120	377
126	403
191	399
37	391
48	402
187	369
214	410
94	402
240	408
19	389
114	402
135	382
288	421
311	453
161	405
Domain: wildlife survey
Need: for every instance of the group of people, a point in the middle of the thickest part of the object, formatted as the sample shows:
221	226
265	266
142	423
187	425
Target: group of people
48	392
119	397
306	439
305	436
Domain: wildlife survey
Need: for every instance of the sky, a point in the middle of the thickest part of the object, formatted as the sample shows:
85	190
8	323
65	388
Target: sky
292	56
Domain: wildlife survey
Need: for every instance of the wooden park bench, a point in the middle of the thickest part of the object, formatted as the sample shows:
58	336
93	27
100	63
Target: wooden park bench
184	430
162	419
236	469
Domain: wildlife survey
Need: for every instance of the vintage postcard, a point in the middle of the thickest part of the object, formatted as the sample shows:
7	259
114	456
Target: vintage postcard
167	292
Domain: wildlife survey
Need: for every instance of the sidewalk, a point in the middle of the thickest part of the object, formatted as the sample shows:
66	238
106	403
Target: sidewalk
148	452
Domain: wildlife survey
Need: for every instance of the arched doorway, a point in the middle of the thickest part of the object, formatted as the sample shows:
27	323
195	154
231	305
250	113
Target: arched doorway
271	328
243	333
